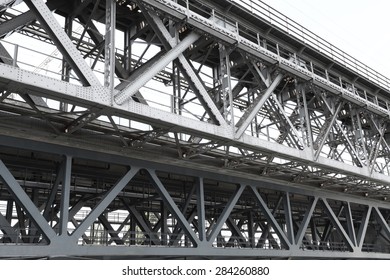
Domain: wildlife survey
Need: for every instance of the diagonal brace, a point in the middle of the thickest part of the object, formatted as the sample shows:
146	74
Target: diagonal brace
65	45
270	218
22	198
104	202
225	213
136	84
186	68
170	204
252	111
337	224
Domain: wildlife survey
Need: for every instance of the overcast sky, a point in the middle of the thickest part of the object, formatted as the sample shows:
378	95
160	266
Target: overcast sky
361	28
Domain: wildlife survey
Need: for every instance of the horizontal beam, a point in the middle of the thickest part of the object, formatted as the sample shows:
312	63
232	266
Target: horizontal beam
163	252
161	163
96	96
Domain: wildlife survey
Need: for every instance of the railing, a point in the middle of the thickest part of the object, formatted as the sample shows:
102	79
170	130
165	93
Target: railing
249	37
342	247
324	246
275	18
152	239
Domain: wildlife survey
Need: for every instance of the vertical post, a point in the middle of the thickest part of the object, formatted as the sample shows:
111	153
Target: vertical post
350	224
289	219
65	71
226	89
164	224
176	97
65	196
307	126
65	65
237	32
16	50
109	44
133	228
10	206
201	210
128	49
251	233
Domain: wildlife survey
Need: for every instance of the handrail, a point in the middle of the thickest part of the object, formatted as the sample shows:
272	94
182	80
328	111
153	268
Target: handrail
231	31
266	12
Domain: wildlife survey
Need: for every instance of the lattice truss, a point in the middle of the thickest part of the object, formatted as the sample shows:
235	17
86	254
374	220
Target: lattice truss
87	204
191	83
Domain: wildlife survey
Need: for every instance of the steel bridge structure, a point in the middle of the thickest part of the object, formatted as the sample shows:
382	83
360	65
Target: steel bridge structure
186	129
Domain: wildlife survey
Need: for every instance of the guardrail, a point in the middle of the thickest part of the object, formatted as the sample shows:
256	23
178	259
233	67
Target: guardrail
275	18
152	239
250	40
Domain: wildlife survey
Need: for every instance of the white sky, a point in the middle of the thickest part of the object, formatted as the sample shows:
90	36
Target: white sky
358	27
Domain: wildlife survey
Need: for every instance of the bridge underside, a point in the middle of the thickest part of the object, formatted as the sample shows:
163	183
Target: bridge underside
185	129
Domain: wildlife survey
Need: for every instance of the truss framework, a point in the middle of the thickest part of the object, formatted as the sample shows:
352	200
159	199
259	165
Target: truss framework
136	207
197	85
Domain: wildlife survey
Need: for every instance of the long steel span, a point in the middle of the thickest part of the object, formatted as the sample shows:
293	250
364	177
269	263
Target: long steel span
186	129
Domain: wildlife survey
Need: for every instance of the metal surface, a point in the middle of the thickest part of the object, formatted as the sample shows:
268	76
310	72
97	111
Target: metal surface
186	129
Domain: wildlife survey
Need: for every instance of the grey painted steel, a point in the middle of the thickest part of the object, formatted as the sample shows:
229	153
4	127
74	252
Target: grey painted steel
173	207
306	219
63	42
103	203
134	86
141	222
8	229
289	220
270	218
384	224
201	210
156	252
9	26
225	213
350	225
54	87
65	196
26	202
66	246
191	75
247	118
114	235
320	162
198	186
109	47
163	164
337	224
231	37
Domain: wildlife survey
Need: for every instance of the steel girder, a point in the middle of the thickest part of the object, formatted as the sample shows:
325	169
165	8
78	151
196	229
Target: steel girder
206	89
64	207
100	99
